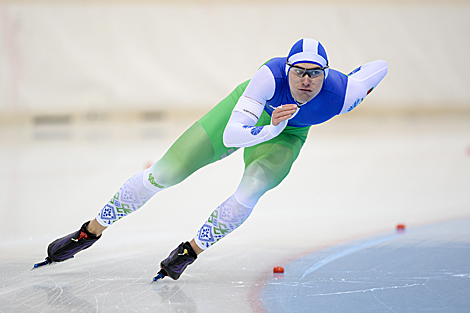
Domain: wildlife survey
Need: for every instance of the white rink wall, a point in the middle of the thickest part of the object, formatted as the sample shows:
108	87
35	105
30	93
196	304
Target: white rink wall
76	57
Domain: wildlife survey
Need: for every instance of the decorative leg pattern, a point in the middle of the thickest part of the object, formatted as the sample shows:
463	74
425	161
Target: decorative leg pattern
226	218
130	197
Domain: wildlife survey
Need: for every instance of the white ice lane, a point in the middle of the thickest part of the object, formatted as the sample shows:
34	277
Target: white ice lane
111	279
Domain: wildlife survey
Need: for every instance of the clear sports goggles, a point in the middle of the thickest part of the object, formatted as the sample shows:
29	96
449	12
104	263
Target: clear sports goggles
301	72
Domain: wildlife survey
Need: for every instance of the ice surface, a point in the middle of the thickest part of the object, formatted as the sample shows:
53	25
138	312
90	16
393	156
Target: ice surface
357	177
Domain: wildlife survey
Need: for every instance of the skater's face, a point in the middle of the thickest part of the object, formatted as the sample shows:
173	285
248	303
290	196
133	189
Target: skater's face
304	86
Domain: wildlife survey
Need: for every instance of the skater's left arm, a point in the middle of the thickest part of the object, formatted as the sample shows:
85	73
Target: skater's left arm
362	81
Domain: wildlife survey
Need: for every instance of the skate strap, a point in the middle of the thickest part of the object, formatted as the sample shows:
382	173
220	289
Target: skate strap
82	235
188	250
85	233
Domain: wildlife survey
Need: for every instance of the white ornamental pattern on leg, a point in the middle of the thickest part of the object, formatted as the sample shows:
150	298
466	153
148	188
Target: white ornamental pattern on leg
226	218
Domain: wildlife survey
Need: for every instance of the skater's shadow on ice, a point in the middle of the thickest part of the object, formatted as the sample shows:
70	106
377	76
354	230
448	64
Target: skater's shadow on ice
175	298
61	298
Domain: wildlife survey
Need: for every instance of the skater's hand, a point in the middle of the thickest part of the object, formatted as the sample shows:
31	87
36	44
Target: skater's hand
283	113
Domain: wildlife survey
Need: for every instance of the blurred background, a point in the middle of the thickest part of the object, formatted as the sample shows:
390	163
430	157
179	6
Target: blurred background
98	58
92	92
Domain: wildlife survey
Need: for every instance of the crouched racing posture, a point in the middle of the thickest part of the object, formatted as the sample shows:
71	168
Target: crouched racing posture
269	115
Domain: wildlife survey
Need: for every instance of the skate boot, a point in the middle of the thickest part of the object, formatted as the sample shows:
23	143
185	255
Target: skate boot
66	247
177	261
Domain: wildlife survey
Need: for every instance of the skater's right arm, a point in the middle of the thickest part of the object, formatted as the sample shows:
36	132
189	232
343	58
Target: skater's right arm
241	130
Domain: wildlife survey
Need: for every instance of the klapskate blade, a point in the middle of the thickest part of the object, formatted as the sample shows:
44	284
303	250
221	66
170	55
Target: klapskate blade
159	276
41	264
47	262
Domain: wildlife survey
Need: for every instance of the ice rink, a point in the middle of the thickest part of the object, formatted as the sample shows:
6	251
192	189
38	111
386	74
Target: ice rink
330	224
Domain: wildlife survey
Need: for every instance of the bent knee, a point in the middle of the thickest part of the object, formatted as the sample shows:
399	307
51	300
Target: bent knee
165	176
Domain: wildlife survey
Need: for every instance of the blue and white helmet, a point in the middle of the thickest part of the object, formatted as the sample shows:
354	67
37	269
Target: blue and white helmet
308	50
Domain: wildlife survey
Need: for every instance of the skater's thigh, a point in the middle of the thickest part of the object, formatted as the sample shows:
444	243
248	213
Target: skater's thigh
215	121
267	164
200	145
191	151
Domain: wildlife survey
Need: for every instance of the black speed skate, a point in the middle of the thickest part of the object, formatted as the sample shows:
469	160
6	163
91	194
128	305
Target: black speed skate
176	262
66	247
